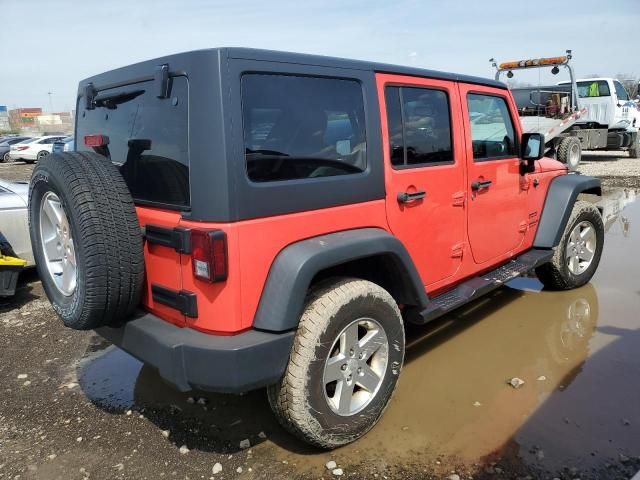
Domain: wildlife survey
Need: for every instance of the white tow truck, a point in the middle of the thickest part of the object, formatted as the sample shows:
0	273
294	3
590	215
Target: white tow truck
575	115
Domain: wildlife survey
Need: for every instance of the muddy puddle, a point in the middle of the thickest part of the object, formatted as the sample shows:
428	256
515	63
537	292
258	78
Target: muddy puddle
576	351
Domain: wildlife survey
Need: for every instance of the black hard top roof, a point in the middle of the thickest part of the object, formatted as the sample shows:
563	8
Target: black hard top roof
306	59
335	62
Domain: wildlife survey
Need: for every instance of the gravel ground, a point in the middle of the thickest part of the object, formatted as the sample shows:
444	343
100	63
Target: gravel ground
615	169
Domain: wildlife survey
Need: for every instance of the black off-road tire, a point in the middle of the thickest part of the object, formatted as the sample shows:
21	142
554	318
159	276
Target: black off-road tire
298	400
556	275
634	151
106	235
567	150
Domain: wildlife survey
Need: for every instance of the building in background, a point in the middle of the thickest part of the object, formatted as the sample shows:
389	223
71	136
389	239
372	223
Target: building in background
53	123
5	126
24	119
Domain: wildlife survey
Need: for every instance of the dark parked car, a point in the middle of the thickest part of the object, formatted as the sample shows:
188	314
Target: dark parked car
5	145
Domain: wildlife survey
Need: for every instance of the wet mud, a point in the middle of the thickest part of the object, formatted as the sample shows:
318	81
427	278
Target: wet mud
577	415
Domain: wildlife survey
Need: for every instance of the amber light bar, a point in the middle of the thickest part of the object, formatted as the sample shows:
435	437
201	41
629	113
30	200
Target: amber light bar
536	62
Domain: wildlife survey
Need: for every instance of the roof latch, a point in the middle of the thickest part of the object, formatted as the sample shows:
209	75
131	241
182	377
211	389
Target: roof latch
161	80
89	96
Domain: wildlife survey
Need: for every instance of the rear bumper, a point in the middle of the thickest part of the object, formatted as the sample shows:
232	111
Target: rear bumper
190	359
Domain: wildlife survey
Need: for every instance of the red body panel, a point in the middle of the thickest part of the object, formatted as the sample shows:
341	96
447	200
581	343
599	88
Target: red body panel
432	229
162	264
497	215
452	234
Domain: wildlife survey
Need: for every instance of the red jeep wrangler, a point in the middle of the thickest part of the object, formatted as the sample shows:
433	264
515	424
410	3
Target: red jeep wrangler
241	218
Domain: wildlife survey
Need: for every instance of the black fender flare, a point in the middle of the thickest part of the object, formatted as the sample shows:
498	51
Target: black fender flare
293	269
561	196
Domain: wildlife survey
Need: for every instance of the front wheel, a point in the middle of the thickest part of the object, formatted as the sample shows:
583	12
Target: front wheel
42	154
633	151
344	363
576	258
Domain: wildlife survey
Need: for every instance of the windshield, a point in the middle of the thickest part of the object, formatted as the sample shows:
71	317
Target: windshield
29	140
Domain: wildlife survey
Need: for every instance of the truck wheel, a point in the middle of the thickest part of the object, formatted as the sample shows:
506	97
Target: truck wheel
633	151
576	258
86	239
570	152
344	363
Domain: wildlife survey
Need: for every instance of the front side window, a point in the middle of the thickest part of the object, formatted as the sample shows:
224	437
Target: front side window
419	126
593	88
620	91
302	127
492	132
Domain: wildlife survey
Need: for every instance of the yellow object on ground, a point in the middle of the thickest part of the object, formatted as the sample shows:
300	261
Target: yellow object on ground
10	268
6	260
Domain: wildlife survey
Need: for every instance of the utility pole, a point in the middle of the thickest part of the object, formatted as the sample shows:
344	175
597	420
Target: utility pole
50	102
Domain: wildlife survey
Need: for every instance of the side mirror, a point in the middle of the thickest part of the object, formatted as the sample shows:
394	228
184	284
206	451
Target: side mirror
532	149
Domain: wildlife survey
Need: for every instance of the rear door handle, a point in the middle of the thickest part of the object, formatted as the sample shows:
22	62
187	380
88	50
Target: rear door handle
480	185
408	197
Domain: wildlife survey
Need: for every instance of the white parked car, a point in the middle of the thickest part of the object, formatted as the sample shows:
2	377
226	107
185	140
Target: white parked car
34	149
14	221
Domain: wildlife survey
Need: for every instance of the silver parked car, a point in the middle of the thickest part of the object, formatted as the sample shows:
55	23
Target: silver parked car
14	221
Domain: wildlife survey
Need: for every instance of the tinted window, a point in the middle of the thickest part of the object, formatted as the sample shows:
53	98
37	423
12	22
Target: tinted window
419	126
596	88
302	127
16	140
148	139
492	132
620	91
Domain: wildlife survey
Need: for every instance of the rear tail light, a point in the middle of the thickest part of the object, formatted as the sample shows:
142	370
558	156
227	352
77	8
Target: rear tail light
209	255
22	147
96	140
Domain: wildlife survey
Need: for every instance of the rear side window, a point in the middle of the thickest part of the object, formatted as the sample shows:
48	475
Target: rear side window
302	127
148	139
419	126
492	132
595	88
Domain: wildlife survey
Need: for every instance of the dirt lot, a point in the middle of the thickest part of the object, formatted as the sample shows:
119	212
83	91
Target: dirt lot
74	407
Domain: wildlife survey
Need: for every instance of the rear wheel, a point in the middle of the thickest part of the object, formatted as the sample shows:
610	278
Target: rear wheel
7	158
86	239
576	258
344	364
570	152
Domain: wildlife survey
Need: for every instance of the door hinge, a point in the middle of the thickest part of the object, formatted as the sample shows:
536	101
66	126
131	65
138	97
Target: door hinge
457	250
533	219
459	198
178	238
523	226
182	300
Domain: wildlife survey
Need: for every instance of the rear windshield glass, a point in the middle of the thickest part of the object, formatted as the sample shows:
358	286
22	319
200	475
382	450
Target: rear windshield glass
302	127
595	88
148	139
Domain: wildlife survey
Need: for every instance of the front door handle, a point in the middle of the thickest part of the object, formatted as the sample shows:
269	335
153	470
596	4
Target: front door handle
408	197
480	185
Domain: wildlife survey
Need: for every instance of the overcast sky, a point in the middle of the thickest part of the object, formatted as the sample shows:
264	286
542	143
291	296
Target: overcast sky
49	45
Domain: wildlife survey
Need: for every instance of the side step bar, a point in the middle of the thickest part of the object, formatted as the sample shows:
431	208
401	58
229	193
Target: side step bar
478	286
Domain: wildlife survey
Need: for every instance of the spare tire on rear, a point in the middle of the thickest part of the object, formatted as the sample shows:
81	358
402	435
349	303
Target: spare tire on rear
86	239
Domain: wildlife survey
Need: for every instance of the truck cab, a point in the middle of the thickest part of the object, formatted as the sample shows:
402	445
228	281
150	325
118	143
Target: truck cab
606	103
